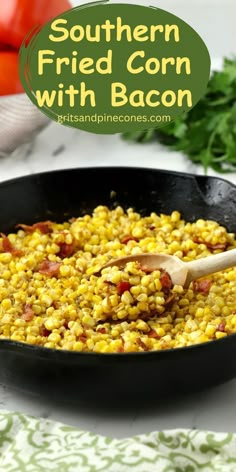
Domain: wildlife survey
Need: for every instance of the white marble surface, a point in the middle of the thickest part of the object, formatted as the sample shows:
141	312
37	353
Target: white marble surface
60	147
213	410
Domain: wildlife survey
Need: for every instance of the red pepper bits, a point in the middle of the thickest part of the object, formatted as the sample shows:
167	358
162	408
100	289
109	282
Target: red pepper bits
43	226
28	313
126	239
202	286
123	287
8	247
166	281
49	268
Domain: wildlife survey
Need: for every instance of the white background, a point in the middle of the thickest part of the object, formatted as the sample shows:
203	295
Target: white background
214	20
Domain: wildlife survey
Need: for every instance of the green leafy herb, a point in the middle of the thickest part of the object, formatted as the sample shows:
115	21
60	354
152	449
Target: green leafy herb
207	133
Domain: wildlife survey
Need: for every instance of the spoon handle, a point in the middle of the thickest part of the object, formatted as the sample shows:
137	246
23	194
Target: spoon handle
210	265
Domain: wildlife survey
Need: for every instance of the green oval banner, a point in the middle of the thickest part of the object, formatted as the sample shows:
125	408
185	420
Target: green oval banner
109	68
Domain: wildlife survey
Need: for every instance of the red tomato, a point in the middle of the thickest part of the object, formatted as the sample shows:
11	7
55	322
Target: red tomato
6	47
9	78
18	17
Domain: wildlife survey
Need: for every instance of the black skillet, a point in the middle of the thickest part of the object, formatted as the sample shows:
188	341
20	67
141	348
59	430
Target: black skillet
62	194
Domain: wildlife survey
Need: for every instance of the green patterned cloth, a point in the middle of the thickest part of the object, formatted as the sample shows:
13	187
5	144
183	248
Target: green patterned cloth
31	444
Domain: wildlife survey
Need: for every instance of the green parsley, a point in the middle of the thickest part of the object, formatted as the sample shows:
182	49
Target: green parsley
207	133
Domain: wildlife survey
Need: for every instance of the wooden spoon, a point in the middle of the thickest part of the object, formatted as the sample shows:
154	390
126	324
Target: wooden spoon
181	273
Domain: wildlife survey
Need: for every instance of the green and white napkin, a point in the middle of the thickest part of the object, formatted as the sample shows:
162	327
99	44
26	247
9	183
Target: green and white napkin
29	444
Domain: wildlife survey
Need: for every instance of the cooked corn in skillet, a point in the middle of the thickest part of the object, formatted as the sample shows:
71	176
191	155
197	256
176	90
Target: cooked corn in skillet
51	296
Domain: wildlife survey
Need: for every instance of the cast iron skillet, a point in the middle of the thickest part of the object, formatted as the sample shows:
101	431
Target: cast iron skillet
63	194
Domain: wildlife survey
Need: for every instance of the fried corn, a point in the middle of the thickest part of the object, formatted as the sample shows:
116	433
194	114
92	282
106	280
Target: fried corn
51	296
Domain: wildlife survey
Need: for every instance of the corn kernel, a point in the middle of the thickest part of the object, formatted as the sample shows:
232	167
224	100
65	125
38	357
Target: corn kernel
46	300
220	335
65	270
6	304
54	337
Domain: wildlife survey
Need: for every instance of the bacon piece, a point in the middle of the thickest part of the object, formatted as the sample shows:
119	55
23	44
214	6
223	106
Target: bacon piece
211	246
7	246
222	246
153	334
147	315
202	286
120	349
55	304
123	287
126	239
166	281
221	327
141	344
145	269
82	338
49	268
170	300
28	313
45	332
43	226
66	250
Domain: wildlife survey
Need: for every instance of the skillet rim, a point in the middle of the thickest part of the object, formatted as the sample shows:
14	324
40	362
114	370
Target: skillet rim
63	354
120	168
